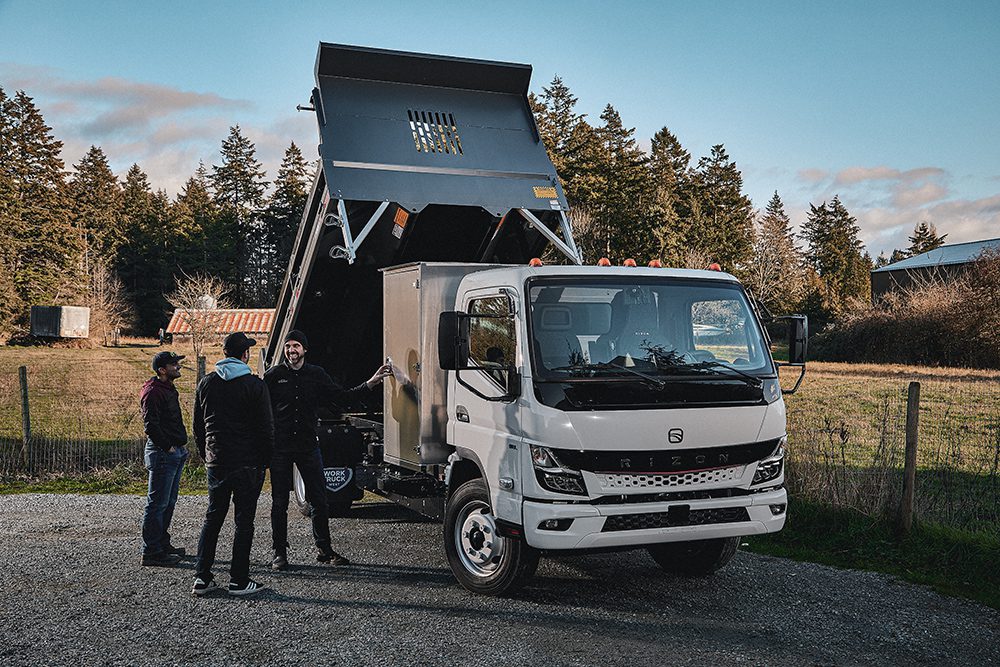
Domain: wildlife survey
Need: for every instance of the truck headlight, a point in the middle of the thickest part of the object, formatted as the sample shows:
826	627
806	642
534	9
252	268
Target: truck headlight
771	467
552	475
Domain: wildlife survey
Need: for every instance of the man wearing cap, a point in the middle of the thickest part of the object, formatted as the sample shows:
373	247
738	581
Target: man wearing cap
297	389
234	433
164	457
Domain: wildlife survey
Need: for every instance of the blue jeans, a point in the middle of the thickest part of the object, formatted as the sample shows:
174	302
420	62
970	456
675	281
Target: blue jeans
242	485
161	496
310	464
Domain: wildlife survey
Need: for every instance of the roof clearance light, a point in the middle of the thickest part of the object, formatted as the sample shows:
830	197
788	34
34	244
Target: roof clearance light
655	264
629	262
714	266
535	262
604	261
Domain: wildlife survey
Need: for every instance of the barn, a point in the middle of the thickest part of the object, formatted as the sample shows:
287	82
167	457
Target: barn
228	320
944	263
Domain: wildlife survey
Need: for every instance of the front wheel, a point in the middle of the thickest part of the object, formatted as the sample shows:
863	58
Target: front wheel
483	561
699	558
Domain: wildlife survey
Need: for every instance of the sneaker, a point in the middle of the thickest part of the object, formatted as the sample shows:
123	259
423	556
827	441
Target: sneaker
249	588
177	551
280	561
201	586
160	559
328	555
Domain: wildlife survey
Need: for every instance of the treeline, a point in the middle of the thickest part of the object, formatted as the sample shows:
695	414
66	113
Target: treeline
88	238
665	204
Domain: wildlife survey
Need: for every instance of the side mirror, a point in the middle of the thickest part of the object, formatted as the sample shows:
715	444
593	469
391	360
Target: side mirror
453	340
798	339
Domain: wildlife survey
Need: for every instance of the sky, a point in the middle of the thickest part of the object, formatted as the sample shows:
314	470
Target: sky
892	105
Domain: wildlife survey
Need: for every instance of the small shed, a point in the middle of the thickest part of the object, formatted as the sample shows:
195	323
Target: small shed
228	320
944	263
60	321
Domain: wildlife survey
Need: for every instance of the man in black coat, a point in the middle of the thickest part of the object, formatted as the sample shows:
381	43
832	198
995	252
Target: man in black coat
234	431
164	457
297	389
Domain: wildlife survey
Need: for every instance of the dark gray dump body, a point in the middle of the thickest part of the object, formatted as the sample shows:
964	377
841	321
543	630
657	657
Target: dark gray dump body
424	159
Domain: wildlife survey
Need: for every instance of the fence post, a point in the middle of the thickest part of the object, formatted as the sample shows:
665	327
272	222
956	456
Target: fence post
910	464
201	367
22	373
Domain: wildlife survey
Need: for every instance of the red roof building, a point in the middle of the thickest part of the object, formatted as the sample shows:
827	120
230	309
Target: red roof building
230	320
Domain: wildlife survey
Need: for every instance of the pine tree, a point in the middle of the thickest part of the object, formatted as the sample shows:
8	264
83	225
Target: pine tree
722	221
775	273
46	266
623	229
10	221
193	217
282	215
837	257
670	180
143	261
97	208
925	238
239	184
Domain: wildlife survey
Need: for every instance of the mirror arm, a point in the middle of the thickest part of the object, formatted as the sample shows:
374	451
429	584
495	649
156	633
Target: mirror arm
802	374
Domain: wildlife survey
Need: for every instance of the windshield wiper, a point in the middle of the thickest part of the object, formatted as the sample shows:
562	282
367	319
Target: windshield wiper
658	384
751	380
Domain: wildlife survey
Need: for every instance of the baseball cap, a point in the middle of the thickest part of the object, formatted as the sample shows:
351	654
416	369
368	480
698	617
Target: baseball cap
161	359
236	344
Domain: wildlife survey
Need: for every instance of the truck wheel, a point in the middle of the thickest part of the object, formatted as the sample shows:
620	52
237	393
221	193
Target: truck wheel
697	558
482	560
299	487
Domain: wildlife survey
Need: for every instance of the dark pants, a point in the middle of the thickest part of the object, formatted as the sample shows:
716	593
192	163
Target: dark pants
310	465
161	495
242	485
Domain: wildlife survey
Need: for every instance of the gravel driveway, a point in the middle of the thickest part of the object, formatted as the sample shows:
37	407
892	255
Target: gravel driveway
73	594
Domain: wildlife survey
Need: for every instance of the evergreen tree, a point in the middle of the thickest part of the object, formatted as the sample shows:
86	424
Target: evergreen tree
239	184
837	257
193	216
282	216
624	229
46	266
722	221
670	180
775	273
96	208
144	257
10	220
898	256
925	238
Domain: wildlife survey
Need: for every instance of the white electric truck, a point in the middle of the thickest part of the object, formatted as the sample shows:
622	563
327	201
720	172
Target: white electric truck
533	408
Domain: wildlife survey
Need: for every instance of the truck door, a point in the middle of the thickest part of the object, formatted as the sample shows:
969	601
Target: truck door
488	430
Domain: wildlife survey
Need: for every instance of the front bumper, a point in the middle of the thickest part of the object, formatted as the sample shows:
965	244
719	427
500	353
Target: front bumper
587	530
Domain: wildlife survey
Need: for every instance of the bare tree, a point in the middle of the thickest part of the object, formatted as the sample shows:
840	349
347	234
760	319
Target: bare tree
200	298
109	309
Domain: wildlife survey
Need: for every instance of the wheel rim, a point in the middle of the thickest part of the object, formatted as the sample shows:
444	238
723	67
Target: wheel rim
300	486
480	549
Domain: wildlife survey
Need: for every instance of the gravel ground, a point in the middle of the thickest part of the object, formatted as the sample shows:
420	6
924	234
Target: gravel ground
73	594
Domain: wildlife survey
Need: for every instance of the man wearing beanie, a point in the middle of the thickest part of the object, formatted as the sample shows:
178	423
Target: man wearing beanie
297	389
234	432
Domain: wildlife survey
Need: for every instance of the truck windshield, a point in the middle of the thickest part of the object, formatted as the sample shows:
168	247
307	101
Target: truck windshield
657	332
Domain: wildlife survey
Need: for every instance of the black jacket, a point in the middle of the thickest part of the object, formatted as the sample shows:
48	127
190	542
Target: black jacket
233	427
161	414
295	397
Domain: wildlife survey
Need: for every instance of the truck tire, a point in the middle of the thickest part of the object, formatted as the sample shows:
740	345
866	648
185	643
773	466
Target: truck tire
482	560
299	489
699	558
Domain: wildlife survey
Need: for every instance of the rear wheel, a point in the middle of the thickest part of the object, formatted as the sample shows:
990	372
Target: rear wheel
483	561
698	558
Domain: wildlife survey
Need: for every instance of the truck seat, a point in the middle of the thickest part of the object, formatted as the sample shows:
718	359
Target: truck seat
555	341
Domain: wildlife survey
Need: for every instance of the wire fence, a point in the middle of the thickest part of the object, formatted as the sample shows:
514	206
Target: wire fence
847	450
846	437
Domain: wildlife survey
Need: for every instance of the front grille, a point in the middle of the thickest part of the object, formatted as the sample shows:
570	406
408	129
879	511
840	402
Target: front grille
613	481
675	519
